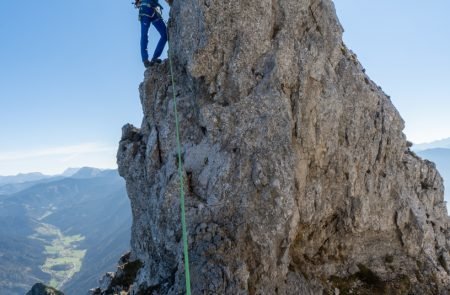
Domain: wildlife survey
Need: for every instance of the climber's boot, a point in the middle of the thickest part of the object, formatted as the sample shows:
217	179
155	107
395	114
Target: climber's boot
147	63
155	61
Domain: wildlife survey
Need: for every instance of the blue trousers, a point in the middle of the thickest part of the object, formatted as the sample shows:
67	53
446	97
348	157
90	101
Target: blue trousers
162	30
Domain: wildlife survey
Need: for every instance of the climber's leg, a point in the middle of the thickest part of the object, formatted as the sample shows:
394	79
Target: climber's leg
161	27
145	26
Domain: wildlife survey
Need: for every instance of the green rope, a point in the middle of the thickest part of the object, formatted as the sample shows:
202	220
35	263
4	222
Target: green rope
180	173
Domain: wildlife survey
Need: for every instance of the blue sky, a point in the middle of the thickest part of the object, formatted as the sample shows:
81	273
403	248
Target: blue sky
69	74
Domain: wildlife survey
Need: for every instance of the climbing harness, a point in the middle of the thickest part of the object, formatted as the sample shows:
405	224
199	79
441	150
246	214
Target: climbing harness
149	3
149	8
180	173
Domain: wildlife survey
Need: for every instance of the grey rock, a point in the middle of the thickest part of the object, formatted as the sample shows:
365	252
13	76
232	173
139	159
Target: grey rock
298	176
42	289
106	280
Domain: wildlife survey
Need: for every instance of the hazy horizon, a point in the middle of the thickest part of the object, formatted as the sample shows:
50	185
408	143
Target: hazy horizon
114	166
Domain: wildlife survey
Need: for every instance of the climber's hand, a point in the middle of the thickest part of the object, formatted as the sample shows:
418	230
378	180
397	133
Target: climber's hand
169	2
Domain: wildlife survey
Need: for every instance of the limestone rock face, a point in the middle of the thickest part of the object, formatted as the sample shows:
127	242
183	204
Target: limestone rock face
299	179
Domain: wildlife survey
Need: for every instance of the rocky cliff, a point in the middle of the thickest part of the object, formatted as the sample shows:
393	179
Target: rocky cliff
299	178
41	289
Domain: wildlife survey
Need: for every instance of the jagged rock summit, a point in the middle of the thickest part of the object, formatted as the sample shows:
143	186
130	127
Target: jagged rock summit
299	178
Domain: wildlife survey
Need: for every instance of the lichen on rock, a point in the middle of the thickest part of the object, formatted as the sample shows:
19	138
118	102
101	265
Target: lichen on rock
298	176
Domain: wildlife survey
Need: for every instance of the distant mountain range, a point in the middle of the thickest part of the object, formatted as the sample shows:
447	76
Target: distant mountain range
63	231
13	184
442	143
20	178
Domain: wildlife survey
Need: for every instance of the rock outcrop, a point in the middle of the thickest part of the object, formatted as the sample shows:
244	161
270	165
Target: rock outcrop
41	289
299	178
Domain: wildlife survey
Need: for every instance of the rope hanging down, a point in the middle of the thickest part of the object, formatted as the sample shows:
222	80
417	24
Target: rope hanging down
180	173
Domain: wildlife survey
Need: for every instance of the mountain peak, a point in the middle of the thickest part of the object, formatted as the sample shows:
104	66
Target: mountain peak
86	172
70	171
298	176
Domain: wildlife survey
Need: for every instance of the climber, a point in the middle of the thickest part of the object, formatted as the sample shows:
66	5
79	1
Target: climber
150	13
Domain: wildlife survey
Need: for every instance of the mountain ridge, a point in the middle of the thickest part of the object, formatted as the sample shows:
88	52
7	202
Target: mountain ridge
22	177
68	214
441	143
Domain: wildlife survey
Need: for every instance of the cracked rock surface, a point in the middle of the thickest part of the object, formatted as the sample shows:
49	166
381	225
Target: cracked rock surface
299	179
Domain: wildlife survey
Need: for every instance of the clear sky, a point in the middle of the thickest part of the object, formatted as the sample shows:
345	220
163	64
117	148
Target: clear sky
69	74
